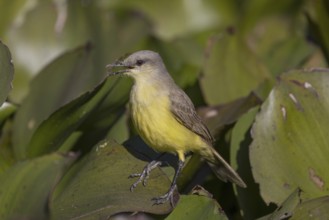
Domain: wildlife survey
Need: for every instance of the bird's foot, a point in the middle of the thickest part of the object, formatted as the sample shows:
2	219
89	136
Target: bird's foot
166	197
143	176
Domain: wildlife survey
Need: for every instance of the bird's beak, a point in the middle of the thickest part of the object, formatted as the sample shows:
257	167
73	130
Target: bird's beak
116	68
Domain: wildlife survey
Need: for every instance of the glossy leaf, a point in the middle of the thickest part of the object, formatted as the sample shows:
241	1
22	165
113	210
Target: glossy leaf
98	186
6	72
290	137
25	187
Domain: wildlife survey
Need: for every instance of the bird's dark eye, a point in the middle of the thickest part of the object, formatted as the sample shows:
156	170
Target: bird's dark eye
140	62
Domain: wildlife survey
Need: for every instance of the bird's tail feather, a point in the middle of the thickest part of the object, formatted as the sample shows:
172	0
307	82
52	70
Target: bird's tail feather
221	168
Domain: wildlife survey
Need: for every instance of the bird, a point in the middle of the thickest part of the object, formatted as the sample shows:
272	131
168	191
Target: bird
166	119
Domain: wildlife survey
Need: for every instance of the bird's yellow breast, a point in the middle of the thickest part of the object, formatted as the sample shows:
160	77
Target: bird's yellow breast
156	124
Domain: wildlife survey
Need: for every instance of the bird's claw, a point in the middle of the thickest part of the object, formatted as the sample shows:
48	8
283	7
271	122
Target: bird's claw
144	175
163	199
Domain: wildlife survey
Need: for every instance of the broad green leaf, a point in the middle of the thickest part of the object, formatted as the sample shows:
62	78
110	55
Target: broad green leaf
25	187
6	72
231	70
60	82
195	207
295	208
312	209
61	124
288	206
250	202
98	186
290	137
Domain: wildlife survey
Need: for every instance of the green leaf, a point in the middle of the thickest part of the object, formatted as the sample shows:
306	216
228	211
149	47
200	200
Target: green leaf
60	125
295	208
25	187
290	137
286	209
312	209
6	72
250	202
98	186
231	70
60	82
197	207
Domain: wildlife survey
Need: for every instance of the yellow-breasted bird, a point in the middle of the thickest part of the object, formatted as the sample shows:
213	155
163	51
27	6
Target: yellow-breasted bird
165	118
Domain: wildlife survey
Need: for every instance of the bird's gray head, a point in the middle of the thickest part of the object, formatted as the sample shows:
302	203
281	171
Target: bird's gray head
139	64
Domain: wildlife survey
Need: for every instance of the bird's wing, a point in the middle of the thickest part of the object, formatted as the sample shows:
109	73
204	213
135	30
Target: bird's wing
184	112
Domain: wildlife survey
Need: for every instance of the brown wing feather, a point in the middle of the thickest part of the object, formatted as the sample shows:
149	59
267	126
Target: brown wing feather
184	112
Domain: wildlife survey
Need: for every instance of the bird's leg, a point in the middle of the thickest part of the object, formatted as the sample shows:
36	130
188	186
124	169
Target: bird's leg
144	174
168	195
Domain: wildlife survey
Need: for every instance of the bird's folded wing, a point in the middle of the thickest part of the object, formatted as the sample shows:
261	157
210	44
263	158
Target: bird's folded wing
184	112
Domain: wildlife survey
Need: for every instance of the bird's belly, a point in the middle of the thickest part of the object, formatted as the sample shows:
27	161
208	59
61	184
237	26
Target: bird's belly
160	130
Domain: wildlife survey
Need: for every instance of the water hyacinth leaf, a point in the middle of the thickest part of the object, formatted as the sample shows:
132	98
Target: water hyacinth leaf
6	72
60	125
231	70
197	207
288	206
98	186
317	208
251	204
61	81
290	137
25	187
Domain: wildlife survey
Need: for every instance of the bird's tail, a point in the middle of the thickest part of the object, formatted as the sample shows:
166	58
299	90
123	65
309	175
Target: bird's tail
220	167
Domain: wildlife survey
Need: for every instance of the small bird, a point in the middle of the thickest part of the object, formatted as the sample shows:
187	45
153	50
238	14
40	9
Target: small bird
165	118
